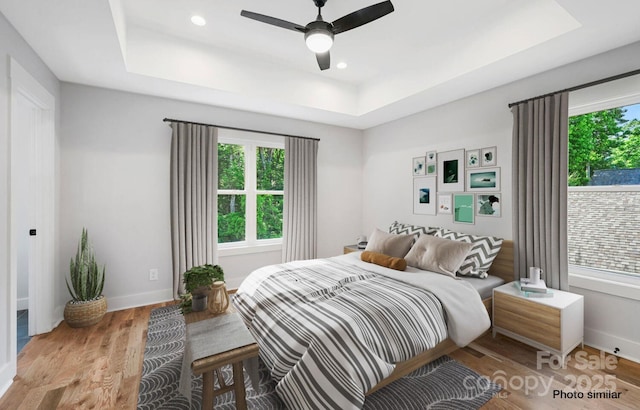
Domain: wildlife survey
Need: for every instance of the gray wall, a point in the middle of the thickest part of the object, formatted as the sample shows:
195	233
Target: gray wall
115	181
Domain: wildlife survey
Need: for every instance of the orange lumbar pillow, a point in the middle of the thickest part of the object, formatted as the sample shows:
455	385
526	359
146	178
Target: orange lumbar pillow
384	260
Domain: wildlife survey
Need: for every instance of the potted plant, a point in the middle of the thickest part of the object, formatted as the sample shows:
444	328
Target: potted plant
197	282
85	285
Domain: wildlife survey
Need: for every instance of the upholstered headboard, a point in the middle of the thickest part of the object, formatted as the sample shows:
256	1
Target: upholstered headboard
502	265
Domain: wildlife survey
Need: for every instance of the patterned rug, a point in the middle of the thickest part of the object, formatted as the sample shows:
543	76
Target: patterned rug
441	384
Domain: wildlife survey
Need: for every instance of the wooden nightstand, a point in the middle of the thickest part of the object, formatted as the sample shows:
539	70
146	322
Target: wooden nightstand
351	248
554	324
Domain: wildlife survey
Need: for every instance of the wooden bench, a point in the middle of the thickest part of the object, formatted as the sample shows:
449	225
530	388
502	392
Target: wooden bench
214	342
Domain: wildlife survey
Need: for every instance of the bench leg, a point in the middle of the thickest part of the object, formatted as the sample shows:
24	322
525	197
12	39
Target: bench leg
207	390
238	383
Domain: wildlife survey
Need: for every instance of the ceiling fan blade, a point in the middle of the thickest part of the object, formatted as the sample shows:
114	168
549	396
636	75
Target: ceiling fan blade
324	60
273	21
362	16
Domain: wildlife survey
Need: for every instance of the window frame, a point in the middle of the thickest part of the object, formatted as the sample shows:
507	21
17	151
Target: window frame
251	244
606	96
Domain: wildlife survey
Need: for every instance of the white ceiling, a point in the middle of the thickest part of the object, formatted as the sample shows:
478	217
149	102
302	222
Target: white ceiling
424	54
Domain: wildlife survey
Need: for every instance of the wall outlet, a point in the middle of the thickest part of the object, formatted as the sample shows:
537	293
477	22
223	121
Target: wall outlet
153	274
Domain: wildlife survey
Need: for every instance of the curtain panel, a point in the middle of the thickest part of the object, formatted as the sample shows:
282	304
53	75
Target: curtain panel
194	199
540	160
300	220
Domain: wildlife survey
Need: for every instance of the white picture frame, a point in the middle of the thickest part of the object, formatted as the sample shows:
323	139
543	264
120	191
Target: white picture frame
483	180
472	158
489	205
432	157
418	166
489	157
445	204
451	171
424	195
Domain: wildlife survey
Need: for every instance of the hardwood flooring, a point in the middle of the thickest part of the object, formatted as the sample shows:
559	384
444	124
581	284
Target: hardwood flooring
99	368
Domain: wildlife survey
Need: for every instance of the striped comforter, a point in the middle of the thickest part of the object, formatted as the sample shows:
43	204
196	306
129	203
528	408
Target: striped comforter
329	330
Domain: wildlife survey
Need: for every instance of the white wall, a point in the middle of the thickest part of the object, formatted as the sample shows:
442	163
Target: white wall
12	45
479	121
115	181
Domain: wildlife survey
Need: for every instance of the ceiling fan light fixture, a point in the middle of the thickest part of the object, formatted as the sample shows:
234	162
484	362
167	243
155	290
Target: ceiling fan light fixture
319	40
198	20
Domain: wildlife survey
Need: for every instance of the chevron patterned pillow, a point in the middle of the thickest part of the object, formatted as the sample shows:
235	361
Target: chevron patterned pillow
481	255
405	229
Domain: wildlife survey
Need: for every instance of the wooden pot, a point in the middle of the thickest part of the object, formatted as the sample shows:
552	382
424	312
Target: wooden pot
85	313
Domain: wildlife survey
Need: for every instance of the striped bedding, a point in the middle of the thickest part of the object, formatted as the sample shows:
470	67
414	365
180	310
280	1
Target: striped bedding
330	330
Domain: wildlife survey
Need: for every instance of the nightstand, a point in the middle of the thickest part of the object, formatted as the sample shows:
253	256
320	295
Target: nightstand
554	324
351	248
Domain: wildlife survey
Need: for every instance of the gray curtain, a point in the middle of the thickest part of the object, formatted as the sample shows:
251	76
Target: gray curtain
194	199
300	221
540	155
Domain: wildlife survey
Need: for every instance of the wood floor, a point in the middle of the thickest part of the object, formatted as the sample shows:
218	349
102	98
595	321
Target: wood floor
99	368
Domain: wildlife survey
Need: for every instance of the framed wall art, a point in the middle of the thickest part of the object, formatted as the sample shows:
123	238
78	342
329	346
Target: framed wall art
418	166
463	208
451	171
483	179
488	157
424	195
489	205
472	158
445	206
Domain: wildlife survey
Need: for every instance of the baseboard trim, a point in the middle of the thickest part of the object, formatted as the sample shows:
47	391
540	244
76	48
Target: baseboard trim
139	299
7	373
629	349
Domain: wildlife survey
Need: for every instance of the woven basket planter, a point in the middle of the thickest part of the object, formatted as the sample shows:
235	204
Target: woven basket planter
83	314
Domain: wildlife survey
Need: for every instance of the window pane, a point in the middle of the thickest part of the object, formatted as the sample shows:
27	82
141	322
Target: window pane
230	166
269	218
604	150
231	218
270	169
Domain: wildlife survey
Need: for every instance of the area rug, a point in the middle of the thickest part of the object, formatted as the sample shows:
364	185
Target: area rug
441	384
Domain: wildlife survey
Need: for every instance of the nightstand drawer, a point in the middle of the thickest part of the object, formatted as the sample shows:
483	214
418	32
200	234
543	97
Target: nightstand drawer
527	309
528	327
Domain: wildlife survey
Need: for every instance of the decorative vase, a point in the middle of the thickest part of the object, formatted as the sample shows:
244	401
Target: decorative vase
218	298
85	313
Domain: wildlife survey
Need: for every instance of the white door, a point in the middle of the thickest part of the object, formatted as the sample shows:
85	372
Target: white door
32	164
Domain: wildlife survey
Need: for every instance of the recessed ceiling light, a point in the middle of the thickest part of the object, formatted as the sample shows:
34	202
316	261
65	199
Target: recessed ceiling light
341	65
198	20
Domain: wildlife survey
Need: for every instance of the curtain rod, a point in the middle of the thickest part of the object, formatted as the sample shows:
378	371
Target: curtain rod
581	86
240	129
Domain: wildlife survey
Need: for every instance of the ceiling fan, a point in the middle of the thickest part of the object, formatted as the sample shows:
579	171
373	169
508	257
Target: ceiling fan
319	33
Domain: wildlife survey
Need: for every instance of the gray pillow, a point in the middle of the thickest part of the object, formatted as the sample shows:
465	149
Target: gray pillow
438	255
389	244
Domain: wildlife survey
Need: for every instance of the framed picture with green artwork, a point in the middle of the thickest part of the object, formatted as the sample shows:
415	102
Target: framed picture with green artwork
463	208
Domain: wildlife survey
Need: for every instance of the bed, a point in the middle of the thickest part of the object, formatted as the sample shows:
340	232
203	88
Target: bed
401	327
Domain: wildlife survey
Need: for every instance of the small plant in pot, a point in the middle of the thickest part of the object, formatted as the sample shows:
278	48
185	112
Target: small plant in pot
197	282
85	285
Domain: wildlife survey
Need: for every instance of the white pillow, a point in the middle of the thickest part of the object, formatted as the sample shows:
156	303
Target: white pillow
389	244
438	255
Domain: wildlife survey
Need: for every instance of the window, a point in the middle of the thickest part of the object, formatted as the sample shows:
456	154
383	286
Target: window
250	192
604	192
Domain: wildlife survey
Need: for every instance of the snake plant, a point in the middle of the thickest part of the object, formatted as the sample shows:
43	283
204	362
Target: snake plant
87	281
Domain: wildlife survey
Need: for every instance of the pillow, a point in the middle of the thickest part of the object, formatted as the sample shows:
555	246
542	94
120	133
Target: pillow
384	260
400	228
389	244
481	255
438	255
